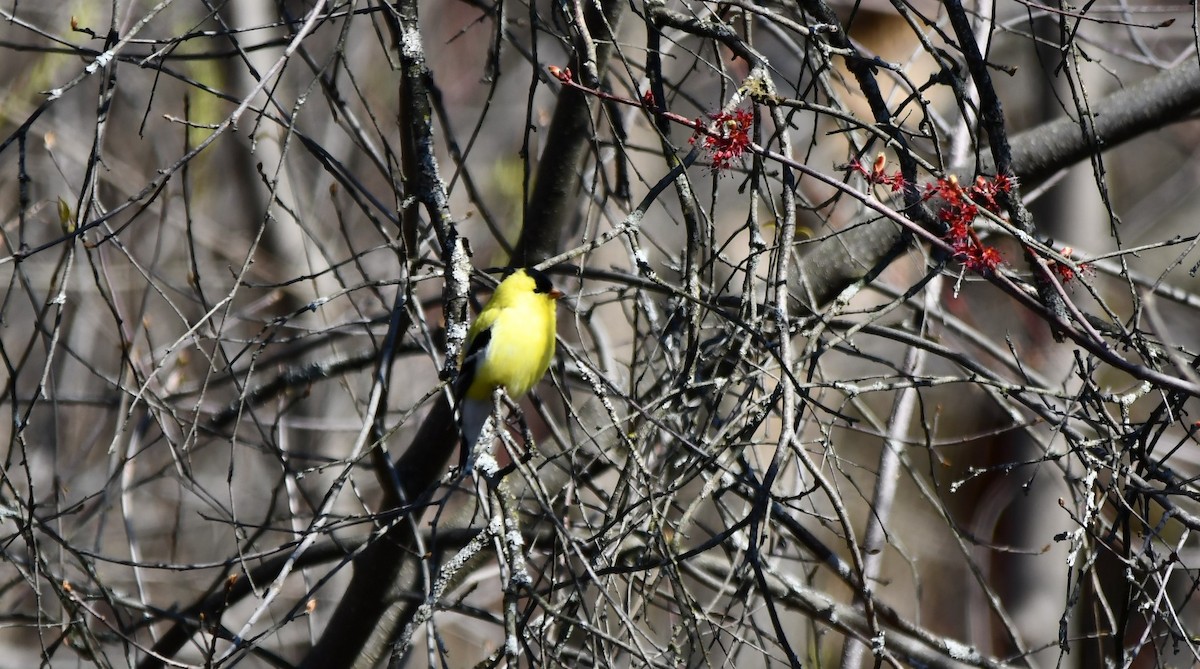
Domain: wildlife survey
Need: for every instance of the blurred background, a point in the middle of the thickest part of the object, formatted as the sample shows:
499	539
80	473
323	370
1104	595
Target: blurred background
789	423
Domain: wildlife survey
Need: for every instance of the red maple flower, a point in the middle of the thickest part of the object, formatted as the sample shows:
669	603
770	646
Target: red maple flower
983	259
729	138
946	188
959	232
958	209
1004	183
1065	272
877	174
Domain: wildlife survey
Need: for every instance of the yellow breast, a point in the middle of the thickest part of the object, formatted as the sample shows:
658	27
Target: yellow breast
519	325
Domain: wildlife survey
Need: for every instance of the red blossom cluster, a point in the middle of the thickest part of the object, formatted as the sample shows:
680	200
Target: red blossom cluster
958	210
986	191
729	139
1065	273
876	174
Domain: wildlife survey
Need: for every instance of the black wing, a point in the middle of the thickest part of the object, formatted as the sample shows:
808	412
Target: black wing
471	362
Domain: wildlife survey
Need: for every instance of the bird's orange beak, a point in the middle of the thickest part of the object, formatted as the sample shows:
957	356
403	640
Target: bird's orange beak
555	294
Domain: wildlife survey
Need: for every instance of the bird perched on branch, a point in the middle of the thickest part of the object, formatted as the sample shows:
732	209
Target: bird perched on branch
509	346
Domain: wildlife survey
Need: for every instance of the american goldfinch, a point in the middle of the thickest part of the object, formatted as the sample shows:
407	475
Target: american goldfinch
509	346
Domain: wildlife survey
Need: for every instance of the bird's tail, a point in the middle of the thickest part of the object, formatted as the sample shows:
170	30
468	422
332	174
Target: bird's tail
473	416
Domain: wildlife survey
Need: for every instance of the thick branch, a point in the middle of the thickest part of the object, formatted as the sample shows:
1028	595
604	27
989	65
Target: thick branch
1151	104
831	265
553	203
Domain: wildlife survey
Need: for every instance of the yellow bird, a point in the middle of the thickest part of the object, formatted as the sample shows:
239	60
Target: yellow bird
509	346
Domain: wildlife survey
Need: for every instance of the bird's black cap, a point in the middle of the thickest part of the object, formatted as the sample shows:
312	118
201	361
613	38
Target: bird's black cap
541	282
